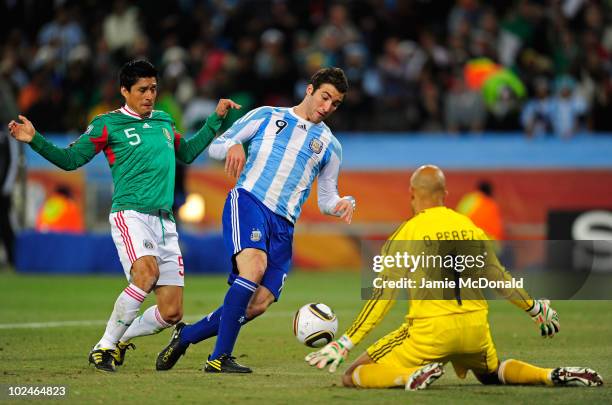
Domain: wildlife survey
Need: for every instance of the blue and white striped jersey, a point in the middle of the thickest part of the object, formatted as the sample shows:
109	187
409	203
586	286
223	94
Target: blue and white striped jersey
285	155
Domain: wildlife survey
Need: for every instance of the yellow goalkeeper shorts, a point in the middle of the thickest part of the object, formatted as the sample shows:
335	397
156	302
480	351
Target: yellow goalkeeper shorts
463	339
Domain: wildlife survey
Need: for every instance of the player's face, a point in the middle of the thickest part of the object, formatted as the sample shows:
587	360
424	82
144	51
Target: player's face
323	102
141	96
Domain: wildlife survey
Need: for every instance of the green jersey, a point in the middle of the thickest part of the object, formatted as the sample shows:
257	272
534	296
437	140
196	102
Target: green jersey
141	153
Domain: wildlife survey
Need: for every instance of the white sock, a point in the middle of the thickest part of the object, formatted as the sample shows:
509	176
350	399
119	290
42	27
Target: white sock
149	323
126	309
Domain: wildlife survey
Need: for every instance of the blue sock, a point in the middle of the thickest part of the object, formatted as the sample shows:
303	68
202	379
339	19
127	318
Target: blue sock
203	329
233	315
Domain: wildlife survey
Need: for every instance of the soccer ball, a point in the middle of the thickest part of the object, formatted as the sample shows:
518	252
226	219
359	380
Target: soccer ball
315	324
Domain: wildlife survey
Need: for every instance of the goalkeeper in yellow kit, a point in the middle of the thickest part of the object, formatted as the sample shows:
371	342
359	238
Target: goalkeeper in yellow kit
437	331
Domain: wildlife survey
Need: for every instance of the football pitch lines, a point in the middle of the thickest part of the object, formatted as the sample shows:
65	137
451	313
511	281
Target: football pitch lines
43	325
101	322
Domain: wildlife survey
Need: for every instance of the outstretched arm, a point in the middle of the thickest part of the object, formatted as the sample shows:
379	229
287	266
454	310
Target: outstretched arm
76	155
545	317
371	314
334	353
188	149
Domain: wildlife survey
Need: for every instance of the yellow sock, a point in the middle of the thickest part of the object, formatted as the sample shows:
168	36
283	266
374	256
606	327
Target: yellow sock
517	372
381	376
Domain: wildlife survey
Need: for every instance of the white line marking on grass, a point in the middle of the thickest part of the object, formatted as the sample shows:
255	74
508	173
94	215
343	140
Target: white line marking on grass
56	324
67	324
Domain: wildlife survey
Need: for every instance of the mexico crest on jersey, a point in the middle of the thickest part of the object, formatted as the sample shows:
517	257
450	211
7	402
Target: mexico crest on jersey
316	146
148	244
255	235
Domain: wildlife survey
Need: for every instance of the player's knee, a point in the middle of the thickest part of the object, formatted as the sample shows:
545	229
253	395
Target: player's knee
254	274
252	264
150	274
145	272
257	261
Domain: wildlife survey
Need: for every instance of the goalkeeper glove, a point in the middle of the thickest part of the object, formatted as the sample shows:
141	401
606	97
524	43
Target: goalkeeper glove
334	354
545	317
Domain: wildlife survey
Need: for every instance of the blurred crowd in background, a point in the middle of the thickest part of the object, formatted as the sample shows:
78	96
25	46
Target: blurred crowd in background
405	60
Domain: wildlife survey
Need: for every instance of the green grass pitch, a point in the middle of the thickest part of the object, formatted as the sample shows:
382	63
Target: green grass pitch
43	354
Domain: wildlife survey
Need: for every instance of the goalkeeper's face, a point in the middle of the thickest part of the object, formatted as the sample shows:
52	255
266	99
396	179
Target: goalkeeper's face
141	96
322	102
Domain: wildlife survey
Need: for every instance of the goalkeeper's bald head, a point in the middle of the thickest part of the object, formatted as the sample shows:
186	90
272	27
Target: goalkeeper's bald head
427	187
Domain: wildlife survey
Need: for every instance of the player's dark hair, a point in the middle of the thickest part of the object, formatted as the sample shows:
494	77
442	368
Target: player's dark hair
134	70
334	76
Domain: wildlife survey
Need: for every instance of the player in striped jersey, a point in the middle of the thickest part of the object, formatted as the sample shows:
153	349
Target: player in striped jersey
437	331
287	149
141	146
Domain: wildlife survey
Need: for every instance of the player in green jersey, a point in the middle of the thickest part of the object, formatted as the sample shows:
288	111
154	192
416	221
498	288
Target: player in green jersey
141	145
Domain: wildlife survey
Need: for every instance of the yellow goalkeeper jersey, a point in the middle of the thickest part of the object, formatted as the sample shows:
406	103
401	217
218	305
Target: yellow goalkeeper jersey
434	224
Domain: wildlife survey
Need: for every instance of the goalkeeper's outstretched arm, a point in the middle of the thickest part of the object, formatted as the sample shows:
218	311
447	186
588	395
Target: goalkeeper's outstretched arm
334	353
371	314
540	310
